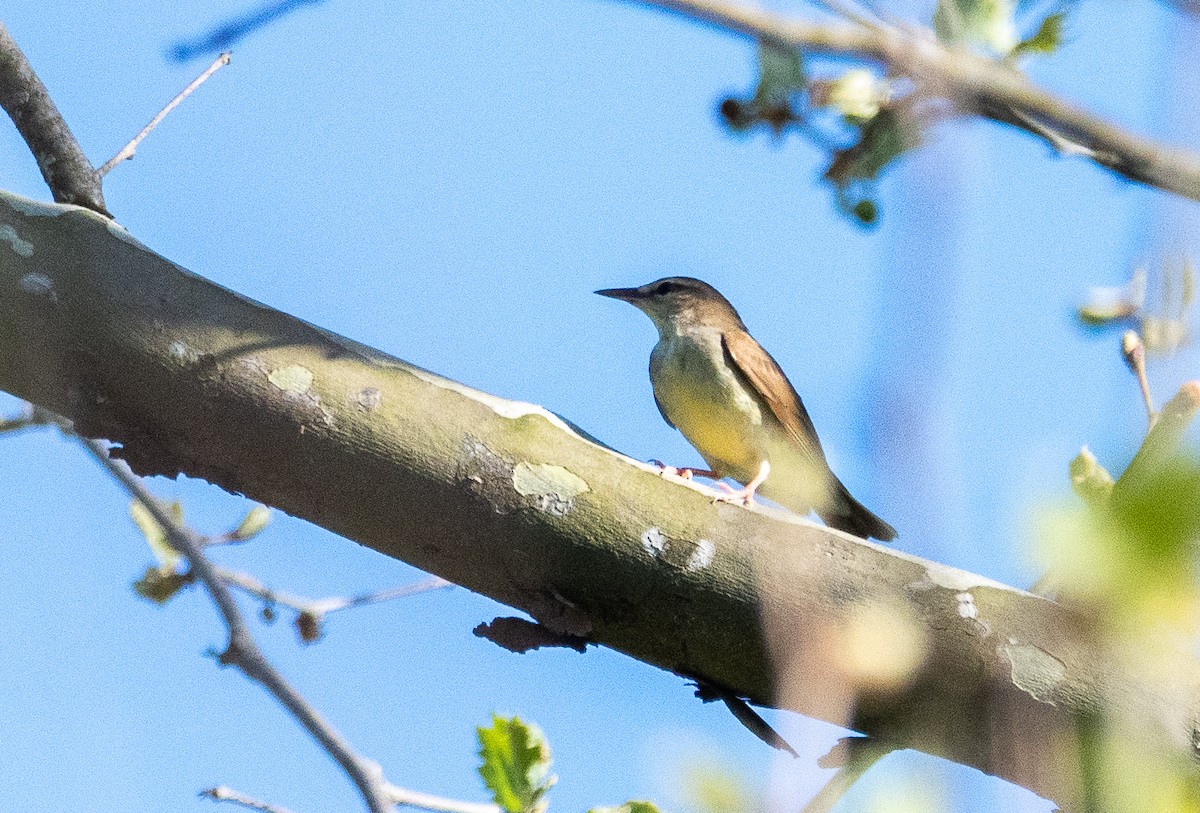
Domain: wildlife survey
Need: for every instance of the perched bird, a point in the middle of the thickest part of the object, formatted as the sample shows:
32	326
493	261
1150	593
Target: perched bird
715	384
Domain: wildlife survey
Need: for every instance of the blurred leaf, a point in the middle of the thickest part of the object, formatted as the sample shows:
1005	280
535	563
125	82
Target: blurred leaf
628	807
516	764
1161	512
255	521
160	586
168	558
881	141
990	24
308	624
1089	479
1046	40
1108	305
781	77
714	788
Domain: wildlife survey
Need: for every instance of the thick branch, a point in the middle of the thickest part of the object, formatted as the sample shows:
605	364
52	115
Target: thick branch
508	500
65	168
974	84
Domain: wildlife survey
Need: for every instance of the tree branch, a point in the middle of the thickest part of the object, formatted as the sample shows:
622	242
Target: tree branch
242	650
510	501
64	167
130	149
974	84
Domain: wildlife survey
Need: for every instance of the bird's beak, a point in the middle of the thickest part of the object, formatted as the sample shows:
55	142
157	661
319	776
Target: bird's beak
624	294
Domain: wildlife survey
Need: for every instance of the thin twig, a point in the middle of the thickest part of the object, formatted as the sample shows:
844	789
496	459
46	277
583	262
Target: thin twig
1058	142
64	166
130	149
30	418
425	801
224	794
249	584
856	756
1135	358
973	83
242	650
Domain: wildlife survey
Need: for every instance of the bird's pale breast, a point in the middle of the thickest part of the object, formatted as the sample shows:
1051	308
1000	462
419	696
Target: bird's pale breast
706	401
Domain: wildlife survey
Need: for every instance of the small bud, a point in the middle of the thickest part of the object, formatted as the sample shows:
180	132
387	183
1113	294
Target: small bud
308	624
857	94
1089	479
254	523
1133	351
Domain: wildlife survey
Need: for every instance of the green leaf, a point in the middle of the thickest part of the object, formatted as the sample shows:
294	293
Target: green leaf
255	521
516	764
628	807
881	140
854	169
780	78
987	24
781	73
1046	40
160	586
1089	479
156	537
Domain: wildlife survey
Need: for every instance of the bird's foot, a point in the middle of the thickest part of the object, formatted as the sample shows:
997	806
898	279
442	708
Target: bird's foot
735	496
686	474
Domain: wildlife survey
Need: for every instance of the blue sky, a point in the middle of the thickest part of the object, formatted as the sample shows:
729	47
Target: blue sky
449	182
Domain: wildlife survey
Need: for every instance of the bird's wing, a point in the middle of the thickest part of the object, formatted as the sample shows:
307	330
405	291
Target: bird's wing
764	376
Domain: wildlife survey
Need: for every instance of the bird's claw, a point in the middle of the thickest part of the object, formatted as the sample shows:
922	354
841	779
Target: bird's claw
664	470
734	496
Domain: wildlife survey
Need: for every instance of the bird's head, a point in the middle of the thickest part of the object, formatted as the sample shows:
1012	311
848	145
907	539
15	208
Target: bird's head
673	300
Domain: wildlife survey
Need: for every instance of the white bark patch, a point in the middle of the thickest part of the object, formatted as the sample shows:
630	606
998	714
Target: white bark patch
1034	670
702	556
36	208
654	542
553	489
966	605
38	285
957	580
368	399
689	555
501	406
293	378
9	235
181	351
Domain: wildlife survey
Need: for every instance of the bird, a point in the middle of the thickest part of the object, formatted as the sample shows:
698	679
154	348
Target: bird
714	383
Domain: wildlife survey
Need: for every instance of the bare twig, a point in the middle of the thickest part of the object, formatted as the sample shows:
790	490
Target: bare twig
224	794
380	795
974	84
130	149
1135	358
242	651
425	801
320	607
31	417
64	167
853	757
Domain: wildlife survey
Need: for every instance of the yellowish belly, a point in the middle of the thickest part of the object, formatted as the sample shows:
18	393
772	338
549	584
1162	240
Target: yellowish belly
712	409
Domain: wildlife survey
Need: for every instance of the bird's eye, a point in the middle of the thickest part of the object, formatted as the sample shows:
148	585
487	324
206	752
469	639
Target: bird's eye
665	288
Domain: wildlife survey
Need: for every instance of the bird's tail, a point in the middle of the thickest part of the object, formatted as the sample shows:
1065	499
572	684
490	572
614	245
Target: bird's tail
847	514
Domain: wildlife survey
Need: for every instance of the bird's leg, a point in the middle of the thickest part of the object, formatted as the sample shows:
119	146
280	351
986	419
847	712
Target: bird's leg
686	474
745	495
